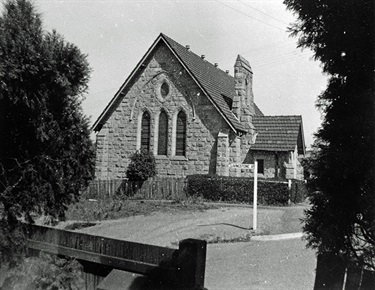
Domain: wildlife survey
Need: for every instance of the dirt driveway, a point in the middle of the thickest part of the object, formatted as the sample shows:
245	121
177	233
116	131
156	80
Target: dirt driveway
225	223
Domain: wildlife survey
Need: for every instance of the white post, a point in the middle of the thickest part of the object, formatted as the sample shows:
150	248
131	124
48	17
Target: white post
255	201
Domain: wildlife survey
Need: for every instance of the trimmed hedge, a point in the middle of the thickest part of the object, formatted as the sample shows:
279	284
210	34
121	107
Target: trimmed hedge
240	190
298	191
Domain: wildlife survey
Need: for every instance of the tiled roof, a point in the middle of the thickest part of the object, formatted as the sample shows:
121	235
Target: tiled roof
277	133
258	112
213	80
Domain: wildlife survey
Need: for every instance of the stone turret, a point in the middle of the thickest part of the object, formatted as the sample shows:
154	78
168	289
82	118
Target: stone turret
243	102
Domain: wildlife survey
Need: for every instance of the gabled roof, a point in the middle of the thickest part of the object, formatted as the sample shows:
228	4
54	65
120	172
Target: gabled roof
212	80
278	133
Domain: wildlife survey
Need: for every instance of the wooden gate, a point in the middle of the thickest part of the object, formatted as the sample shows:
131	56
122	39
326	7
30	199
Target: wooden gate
183	267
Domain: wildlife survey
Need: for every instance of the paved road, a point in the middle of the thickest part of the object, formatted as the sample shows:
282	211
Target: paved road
284	264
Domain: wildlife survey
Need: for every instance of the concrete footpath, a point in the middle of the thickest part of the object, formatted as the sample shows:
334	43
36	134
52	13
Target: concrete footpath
277	237
278	264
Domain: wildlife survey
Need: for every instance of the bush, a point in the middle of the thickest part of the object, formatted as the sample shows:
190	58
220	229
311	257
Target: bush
141	167
12	241
45	272
237	189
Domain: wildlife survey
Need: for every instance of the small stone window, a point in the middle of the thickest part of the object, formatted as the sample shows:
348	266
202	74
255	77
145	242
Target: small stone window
260	166
164	90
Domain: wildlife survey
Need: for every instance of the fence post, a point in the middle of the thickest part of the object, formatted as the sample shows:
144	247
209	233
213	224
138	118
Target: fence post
255	196
192	263
289	190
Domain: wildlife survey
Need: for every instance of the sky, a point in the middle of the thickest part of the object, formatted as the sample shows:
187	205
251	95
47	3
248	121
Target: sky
116	34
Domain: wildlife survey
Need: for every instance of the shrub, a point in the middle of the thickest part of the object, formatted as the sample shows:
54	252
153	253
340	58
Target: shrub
45	272
141	167
237	189
12	246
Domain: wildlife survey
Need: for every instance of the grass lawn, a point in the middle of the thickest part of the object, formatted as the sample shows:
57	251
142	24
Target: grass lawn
111	209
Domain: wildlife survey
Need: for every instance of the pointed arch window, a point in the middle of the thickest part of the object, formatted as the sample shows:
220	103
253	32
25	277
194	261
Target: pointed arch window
181	134
145	131
163	134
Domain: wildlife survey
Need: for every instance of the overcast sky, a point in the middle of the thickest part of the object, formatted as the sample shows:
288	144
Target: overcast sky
116	34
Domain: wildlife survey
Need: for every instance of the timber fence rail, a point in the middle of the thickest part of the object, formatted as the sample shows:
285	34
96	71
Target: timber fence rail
153	188
183	267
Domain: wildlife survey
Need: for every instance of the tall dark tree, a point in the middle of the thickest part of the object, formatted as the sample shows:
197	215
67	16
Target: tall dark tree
46	155
341	220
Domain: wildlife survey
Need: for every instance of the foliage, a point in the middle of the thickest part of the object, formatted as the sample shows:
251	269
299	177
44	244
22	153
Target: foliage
298	191
142	166
115	208
46	155
45	272
341	34
239	189
12	246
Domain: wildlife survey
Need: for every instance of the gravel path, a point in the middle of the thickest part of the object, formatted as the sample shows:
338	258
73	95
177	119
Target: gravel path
167	228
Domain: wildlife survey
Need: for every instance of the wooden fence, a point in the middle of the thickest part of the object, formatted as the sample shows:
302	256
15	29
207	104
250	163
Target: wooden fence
183	267
153	188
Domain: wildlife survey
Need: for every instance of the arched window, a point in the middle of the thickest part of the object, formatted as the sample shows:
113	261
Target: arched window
181	134
163	134
145	131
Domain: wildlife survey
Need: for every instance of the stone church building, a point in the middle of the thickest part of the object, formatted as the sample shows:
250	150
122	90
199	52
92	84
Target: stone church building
195	119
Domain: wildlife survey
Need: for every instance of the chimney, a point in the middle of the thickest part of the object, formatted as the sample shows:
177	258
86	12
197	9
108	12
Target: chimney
227	71
243	101
203	56
187	47
216	64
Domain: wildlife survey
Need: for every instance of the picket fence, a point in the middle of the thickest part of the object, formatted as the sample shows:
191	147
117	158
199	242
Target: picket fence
153	188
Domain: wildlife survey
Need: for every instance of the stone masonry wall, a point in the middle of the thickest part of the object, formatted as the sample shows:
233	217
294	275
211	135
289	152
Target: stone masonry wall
294	168
285	161
270	160
101	162
222	160
117	140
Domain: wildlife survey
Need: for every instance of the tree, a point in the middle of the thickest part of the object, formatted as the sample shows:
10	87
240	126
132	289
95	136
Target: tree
46	155
342	217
